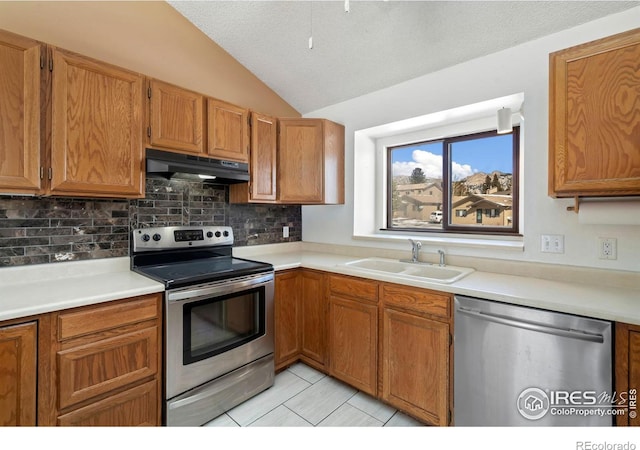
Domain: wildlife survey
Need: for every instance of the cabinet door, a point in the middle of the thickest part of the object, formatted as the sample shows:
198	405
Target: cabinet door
627	368
263	168
228	136
97	368
415	365
300	162
177	118
19	114
287	317
133	407
353	343
18	365
594	125
314	317
97	122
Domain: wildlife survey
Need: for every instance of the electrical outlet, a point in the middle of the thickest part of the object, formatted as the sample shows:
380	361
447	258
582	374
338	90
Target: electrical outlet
607	248
552	243
285	232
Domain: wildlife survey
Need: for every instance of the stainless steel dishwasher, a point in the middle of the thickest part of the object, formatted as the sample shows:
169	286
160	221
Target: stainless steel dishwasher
520	366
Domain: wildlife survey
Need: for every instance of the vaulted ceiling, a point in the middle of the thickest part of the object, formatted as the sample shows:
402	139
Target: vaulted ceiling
377	43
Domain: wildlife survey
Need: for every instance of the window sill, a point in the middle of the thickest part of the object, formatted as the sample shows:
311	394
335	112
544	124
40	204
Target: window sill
515	243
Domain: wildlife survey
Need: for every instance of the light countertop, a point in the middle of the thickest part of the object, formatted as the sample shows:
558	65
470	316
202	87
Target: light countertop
31	290
591	300
43	288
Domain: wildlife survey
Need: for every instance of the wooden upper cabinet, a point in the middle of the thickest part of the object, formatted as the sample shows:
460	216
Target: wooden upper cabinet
96	128
227	131
594	118
20	78
263	163
176	118
310	162
18	372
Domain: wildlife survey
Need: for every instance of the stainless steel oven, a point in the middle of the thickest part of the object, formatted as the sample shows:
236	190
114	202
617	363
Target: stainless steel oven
218	320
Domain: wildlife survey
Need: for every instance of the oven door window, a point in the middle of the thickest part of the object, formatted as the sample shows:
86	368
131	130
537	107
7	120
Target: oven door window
216	325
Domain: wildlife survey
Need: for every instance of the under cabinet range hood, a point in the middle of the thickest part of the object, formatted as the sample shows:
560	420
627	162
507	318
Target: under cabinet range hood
164	164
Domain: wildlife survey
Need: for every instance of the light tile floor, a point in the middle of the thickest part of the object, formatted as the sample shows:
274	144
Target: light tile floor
304	397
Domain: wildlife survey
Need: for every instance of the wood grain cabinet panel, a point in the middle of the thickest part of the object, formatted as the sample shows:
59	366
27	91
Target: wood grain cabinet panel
97	368
418	300
227	131
627	367
177	118
262	186
594	118
106	359
18	372
415	365
310	162
134	407
313	304
353	343
20	78
97	128
287	313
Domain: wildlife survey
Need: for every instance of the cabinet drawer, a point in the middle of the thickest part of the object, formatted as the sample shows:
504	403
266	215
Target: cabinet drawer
106	317
354	287
419	300
97	368
135	407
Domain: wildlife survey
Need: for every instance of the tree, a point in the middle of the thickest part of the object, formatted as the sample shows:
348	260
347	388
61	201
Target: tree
417	176
486	185
496	182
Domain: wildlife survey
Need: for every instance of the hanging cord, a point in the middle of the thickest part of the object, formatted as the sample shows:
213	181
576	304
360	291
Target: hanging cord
311	25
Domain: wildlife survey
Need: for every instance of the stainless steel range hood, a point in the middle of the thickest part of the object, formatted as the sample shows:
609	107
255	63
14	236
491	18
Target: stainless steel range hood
164	164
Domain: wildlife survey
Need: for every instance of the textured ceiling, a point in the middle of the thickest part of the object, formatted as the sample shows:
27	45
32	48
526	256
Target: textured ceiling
378	43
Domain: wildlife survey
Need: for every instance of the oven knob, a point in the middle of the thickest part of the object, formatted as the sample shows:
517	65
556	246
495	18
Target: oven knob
157	237
217	234
145	237
209	234
226	234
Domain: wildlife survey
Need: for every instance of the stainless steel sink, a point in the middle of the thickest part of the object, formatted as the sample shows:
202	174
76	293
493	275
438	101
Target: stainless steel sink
409	270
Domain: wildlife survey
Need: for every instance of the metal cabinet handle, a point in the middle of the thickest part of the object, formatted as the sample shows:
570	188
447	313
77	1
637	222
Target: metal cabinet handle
576	334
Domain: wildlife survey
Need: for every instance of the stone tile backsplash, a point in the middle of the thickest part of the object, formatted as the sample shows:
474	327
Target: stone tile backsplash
41	230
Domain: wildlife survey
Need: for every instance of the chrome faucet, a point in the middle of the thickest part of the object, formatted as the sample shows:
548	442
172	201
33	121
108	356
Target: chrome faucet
441	253
415	249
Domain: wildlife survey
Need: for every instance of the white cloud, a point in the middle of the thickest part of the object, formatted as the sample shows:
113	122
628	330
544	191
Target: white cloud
431	165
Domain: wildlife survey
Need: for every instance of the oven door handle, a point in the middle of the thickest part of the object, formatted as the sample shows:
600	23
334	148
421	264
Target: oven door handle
218	288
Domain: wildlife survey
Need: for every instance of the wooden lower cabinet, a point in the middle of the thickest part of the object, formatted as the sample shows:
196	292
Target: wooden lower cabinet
415	365
313	322
18	374
388	340
627	368
353	343
353	332
134	407
107	363
287	317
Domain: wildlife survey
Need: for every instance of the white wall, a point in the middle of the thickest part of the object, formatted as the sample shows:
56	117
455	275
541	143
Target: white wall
520	69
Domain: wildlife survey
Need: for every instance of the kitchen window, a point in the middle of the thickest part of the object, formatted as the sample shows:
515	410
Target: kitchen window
461	184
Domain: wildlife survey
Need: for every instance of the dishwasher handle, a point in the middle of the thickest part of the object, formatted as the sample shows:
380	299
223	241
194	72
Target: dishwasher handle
533	326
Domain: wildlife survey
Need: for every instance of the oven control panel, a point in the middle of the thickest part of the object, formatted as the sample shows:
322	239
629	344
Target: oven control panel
166	238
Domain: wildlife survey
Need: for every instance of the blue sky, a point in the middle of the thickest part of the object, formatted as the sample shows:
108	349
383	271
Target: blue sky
478	155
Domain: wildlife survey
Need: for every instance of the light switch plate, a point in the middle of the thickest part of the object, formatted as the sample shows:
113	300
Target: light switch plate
552	243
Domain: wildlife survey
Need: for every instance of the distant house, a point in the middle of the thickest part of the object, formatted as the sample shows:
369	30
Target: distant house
417	201
482	209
